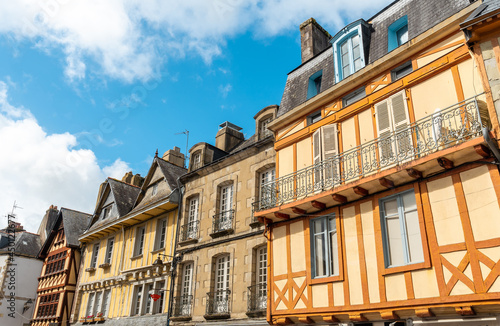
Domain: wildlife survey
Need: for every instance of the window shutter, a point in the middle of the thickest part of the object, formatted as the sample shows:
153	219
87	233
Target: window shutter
383	120
317	146
330	150
401	121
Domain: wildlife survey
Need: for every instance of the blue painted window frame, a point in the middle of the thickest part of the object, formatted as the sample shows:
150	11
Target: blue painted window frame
340	38
402	224
311	87
327	245
392	32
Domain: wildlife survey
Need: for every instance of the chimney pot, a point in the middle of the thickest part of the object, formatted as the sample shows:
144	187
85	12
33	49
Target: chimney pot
313	39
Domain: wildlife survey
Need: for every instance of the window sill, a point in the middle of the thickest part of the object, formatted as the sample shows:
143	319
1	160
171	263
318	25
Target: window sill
156	251
106	265
90	269
187	242
406	268
136	257
328	279
213	316
221	233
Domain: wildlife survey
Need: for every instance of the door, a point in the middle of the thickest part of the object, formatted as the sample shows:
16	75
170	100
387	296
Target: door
187	281
221	297
192	218
226	204
261	279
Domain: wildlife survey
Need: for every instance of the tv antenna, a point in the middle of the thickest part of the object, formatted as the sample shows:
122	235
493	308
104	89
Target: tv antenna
185	132
14	207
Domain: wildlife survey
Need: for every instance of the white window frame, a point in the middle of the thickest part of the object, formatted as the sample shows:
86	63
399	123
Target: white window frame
106	211
263	131
261	277
139	240
329	237
106	297
109	251
161	233
158	305
265	177
138	300
193	211
196	164
222	281
325	147
346	35
403	229
95	255
90	304
154	189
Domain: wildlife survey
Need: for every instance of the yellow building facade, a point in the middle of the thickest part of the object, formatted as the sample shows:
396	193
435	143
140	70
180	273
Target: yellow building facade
129	246
386	202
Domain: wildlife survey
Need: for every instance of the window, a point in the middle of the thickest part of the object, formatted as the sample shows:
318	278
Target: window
90	304
47	306
139	241
221	288
154	190
324	246
392	120
353	97
325	148
138	299
55	263
161	232
105	301
261	278
158	309
401	230
149	300
95	255
196	161
397	33
314	85
106	212
263	131
401	71
226	198
109	251
97	303
186	289
265	177
313	118
192	225
348	49
223	221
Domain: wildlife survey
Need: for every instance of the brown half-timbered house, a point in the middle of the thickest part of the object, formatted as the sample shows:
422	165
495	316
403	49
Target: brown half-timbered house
61	254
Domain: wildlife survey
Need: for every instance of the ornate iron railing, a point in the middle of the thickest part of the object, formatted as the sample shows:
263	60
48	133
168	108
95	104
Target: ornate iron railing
223	221
218	302
182	306
257	297
190	231
451	126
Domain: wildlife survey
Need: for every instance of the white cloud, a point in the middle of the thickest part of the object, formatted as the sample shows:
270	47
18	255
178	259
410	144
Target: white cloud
39	169
131	39
224	90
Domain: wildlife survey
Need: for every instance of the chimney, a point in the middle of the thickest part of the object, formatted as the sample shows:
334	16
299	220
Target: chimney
313	39
228	136
127	178
174	156
137	180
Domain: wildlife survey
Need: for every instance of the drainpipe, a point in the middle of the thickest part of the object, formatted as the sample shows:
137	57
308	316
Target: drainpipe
175	259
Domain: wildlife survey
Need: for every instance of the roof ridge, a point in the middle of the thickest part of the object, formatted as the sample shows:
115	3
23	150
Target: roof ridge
180	167
128	184
74	210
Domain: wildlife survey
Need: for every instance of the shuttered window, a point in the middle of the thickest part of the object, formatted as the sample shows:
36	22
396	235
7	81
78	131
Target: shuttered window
325	149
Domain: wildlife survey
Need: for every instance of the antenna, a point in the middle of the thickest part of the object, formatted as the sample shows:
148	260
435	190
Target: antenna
14	207
185	132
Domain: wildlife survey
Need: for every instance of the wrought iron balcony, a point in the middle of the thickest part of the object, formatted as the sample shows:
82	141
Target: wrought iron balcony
218	304
183	306
190	231
222	223
448	127
257	298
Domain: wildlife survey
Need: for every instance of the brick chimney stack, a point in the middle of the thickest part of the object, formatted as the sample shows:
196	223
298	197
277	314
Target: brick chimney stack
313	39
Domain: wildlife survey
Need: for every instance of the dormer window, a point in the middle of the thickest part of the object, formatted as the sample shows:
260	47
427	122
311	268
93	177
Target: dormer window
263	131
154	190
397	33
314	86
348	50
106	212
196	161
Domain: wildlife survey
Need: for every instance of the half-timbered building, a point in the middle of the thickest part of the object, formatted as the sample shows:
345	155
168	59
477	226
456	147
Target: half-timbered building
385	207
129	247
61	255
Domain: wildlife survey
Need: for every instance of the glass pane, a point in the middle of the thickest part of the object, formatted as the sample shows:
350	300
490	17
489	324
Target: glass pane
409	201
333	225
391	207
344	49
356	52
318	226
346	71
320	255
355	40
357	64
413	237
396	251
402	35
334	265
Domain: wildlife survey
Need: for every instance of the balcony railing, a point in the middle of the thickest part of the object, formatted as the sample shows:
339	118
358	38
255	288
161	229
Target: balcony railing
190	231
223	222
218	302
448	127
257	297
182	306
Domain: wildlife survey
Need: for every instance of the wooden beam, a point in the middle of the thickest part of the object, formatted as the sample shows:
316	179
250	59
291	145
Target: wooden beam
482	150
465	311
306	320
423	313
330	319
389	314
445	163
283	321
415	174
318	205
299	211
384	182
282	215
357	317
341	199
360	191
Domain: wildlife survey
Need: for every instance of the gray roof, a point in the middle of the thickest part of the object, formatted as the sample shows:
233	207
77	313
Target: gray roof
125	195
170	171
74	223
483	11
26	244
422	15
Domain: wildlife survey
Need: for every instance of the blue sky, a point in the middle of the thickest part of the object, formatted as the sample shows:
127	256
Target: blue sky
90	89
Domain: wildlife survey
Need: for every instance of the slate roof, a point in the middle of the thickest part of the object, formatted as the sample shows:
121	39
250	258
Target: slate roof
26	244
422	15
170	171
483	11
125	195
74	223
